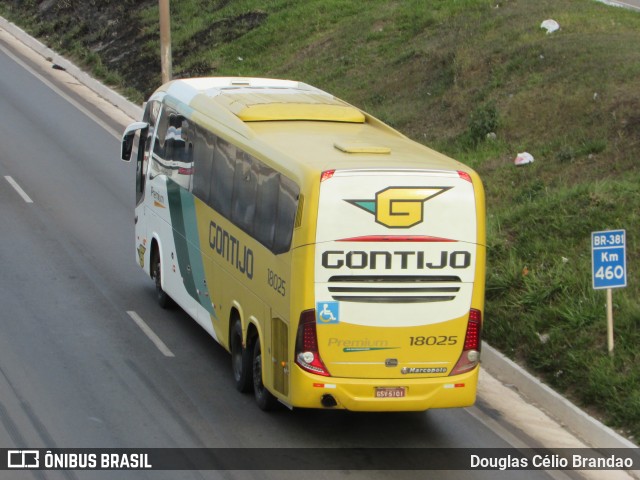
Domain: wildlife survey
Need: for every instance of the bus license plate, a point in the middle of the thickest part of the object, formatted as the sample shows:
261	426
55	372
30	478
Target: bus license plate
390	392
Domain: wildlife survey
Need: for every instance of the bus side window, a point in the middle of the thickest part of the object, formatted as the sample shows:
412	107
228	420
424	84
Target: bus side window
287	208
259	200
174	143
203	144
163	126
264	224
182	153
245	185
157	166
224	156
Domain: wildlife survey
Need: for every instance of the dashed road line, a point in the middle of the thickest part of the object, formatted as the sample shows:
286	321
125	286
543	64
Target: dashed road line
146	329
18	189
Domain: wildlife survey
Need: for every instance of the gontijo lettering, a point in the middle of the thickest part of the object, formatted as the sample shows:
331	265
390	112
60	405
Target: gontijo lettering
228	247
401	259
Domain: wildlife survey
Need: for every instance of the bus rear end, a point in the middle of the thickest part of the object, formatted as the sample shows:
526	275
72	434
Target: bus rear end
399	292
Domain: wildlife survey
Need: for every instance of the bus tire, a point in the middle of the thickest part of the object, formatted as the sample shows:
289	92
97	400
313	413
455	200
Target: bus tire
164	300
241	360
264	398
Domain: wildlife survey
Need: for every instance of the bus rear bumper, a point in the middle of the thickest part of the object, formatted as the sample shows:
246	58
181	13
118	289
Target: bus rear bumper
419	394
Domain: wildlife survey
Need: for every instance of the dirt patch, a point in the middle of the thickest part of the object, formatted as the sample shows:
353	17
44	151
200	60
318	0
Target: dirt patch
104	35
109	35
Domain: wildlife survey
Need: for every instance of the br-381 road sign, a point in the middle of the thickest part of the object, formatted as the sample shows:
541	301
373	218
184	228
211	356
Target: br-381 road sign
608	257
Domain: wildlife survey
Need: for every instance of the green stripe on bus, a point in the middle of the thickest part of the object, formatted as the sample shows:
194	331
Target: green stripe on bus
176	210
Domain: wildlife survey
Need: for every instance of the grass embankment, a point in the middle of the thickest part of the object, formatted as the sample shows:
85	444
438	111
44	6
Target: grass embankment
447	73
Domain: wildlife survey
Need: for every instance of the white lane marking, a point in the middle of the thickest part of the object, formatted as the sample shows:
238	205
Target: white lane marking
49	84
18	189
151	334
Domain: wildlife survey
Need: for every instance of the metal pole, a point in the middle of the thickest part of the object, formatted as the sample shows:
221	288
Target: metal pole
165	40
610	320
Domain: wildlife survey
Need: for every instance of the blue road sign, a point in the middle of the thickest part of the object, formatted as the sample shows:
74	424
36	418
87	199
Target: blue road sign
608	258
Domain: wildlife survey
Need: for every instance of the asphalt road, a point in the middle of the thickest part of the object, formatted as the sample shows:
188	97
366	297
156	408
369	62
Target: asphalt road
77	371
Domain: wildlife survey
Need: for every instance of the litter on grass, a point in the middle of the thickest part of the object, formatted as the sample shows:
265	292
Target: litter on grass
523	158
550	25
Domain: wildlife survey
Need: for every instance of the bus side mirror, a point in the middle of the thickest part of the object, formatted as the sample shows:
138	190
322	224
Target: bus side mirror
127	139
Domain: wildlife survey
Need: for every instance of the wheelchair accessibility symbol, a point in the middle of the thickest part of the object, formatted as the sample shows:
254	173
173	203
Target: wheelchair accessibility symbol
328	312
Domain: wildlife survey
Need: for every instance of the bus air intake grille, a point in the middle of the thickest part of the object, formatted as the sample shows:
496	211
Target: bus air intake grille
394	288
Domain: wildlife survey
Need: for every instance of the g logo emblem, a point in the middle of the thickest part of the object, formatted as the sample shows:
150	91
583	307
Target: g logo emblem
399	207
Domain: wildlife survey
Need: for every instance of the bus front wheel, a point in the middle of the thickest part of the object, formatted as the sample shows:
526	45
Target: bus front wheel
265	400
156	274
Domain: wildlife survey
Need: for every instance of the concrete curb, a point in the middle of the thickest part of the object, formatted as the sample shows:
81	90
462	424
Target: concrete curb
585	427
577	421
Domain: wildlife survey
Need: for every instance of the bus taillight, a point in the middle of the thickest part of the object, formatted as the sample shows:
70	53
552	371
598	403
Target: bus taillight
465	176
326	175
471	352
307	355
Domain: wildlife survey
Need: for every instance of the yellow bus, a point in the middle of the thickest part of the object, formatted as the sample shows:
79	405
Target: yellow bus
339	262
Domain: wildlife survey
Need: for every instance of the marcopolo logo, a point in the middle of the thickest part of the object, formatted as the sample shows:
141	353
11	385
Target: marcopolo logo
410	370
399	207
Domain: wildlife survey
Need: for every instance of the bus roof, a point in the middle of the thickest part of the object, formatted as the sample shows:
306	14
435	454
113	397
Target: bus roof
322	132
261	99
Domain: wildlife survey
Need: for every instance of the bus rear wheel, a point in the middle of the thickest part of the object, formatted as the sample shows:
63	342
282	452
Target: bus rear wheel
264	398
241	359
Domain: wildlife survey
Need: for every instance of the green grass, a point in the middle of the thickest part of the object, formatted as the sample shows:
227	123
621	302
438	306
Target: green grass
447	72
